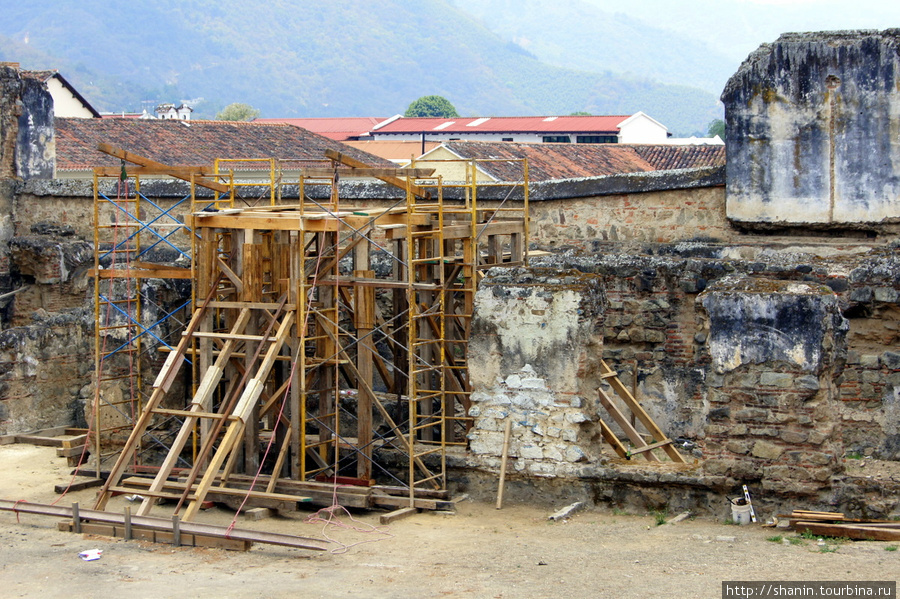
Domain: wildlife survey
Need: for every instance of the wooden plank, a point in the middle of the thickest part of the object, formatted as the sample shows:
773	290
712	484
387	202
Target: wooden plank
131	171
68	452
78	485
162	272
649	447
633	435
639	412
39	440
259	513
397	514
328	173
812	514
859	532
152	536
612	439
379	500
173	171
165	524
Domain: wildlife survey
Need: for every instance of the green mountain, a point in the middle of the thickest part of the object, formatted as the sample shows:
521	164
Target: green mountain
312	58
579	34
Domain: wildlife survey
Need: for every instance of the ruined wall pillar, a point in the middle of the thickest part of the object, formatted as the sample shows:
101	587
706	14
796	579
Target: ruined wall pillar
776	349
533	355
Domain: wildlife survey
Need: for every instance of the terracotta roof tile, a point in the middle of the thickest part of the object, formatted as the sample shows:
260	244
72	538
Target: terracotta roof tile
568	161
193	143
668	157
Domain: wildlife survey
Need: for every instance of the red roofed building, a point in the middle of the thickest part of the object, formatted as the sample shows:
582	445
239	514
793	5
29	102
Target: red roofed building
636	128
338	129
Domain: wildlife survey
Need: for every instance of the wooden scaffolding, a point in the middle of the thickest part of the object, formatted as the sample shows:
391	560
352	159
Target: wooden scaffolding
326	341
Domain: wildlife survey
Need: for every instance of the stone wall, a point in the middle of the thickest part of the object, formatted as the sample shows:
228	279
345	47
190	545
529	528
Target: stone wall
45	371
780	421
775	350
655	216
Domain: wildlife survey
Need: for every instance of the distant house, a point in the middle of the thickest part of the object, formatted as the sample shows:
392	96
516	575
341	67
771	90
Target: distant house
636	128
170	111
499	161
67	102
338	129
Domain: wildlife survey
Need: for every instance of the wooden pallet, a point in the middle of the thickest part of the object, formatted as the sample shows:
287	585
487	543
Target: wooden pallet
641	447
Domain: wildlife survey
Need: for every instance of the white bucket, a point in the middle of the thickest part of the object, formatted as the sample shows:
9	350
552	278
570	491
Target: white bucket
740	514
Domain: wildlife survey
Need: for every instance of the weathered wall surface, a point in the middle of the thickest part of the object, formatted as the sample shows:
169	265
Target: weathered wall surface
813	126
775	351
533	348
10	110
655	216
45	369
806	373
35	145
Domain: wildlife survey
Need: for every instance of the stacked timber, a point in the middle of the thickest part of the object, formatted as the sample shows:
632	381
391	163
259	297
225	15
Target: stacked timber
836	524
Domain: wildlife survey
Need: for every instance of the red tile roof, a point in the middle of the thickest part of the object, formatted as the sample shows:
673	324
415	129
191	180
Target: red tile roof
506	124
568	161
190	143
340	129
669	157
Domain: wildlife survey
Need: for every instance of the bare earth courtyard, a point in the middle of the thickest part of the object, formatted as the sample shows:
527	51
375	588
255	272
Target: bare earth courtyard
478	552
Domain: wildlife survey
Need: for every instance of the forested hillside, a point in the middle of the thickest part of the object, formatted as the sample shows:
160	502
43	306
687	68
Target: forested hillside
314	58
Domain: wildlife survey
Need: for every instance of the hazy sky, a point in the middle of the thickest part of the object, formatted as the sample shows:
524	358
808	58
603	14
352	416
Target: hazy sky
737	27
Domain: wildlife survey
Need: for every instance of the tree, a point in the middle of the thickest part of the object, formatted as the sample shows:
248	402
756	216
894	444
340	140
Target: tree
716	127
237	112
434	106
580	113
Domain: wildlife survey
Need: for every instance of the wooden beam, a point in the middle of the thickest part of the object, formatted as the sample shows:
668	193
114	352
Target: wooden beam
172	171
131	171
327	173
165	524
395	181
860	532
397	514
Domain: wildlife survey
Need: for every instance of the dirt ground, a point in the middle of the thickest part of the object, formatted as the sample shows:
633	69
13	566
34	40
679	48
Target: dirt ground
478	552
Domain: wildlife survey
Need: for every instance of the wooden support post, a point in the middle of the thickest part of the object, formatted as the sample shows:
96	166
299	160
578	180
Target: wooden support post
364	310
128	532
503	459
176	530
76	518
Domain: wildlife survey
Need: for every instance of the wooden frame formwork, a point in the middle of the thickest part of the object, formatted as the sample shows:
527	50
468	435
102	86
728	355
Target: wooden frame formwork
308	359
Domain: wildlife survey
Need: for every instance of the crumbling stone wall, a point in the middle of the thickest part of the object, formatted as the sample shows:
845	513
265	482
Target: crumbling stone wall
775	424
10	110
775	349
45	368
